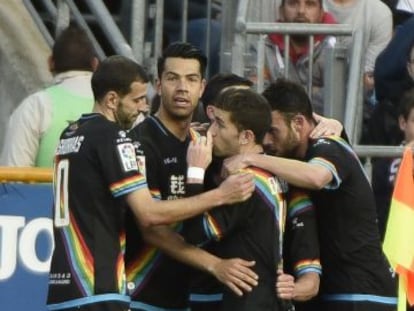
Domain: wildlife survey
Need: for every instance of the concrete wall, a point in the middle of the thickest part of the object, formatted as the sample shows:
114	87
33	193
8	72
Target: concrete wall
23	59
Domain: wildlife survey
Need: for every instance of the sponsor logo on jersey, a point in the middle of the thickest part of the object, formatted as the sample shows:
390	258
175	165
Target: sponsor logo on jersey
170	160
177	185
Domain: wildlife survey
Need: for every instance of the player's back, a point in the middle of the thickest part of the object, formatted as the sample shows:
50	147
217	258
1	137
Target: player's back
88	215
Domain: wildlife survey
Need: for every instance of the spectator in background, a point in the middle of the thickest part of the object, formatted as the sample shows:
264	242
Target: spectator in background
374	18
401	10
394	75
384	170
297	11
404	9
196	28
34	127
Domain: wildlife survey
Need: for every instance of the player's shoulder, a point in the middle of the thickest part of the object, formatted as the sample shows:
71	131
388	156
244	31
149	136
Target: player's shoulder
329	142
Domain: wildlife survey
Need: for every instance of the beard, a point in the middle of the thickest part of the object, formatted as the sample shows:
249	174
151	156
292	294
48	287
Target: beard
287	149
124	120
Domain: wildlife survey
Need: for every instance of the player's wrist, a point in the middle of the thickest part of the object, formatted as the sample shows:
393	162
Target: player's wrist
195	174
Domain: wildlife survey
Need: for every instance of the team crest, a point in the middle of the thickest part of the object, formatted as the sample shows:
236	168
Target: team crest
127	155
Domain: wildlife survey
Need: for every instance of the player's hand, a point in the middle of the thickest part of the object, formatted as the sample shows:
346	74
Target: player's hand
326	127
285	285
233	165
199	152
237	188
201	128
236	274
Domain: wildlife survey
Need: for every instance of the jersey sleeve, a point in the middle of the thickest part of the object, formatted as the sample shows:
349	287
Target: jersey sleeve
117	154
149	164
301	239
332	156
214	225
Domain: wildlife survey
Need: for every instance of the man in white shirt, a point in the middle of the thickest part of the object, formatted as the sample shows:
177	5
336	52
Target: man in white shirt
34	127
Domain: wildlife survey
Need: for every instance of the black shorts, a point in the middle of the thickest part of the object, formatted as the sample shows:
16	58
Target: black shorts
205	306
356	306
101	306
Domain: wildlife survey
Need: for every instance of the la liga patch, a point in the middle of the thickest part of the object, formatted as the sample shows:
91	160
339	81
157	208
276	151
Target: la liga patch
127	156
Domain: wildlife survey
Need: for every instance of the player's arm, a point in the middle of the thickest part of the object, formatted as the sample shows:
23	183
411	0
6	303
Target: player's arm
149	212
234	273
301	251
303	288
298	173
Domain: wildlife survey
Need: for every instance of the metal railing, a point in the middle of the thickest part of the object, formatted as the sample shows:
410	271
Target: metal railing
370	152
136	46
343	98
347	110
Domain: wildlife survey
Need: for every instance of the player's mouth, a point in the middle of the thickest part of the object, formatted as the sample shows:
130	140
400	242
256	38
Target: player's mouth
181	101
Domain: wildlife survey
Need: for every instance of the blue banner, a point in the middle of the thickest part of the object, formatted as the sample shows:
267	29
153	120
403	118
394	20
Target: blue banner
26	245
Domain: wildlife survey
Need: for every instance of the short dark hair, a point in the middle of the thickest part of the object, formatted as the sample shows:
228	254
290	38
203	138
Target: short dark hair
248	109
289	98
116	73
73	50
182	50
406	104
284	1
219	82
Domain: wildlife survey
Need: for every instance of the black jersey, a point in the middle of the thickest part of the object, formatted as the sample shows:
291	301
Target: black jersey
155	279
355	268
250	230
301	245
95	167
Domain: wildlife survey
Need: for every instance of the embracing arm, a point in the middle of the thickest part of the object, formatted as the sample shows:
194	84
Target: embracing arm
149	212
234	273
297	173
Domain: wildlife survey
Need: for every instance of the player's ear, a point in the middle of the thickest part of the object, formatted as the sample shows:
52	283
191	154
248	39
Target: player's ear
246	136
298	122
402	122
94	63
111	100
158	86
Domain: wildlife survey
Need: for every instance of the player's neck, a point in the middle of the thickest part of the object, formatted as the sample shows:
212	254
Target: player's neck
251	148
179	128
304	141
